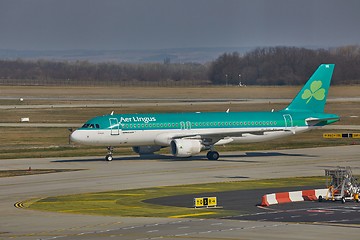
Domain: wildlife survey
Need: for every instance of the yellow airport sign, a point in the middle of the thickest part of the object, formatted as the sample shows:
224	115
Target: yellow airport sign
341	135
356	135
332	135
205	202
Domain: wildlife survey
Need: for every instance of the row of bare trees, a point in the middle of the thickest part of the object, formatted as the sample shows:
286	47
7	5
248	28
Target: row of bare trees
284	66
82	72
262	66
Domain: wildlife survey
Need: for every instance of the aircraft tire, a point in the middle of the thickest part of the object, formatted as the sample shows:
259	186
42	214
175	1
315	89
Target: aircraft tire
109	158
212	155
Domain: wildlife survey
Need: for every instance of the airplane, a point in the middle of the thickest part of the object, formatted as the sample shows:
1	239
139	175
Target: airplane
188	134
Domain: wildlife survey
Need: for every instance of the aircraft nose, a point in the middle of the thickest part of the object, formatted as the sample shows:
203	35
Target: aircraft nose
75	136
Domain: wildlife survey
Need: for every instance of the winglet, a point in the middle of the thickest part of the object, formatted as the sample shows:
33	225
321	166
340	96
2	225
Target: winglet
312	97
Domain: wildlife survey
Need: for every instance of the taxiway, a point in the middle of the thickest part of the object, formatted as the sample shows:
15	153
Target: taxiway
129	172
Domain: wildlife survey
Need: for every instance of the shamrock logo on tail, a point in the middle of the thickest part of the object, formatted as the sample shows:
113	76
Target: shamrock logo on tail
315	91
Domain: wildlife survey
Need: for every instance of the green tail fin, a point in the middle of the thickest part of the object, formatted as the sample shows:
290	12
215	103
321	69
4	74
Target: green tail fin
312	97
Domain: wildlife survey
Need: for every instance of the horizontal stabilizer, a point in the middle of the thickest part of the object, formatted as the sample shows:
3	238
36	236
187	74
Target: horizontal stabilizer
320	121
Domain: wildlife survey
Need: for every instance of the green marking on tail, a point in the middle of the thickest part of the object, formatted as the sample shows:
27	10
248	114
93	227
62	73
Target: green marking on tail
312	97
315	91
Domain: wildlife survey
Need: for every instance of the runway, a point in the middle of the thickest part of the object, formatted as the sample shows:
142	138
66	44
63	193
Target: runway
153	102
129	172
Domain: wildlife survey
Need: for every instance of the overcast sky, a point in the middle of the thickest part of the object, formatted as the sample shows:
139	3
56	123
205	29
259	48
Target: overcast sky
159	24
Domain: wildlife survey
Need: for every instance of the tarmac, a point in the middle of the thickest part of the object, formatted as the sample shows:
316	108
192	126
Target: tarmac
131	172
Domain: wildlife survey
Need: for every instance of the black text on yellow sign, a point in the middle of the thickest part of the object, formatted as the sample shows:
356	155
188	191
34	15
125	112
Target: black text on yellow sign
332	135
341	135
205	202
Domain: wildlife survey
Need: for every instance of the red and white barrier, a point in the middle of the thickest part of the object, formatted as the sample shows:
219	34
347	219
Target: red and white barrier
297	196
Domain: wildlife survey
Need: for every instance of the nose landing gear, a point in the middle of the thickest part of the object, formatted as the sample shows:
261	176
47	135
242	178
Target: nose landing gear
109	156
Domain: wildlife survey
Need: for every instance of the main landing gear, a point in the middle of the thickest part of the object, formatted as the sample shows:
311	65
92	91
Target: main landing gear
109	156
212	155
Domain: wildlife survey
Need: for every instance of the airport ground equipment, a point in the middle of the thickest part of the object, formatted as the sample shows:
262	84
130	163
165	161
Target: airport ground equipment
342	185
293	196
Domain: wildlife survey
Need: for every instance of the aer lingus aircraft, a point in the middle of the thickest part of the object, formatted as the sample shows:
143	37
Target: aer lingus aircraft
187	134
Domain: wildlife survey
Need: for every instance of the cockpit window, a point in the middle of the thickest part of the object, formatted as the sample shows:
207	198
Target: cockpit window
90	125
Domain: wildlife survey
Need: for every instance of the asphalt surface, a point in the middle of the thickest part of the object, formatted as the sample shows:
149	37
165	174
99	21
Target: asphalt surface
247	203
308	212
130	172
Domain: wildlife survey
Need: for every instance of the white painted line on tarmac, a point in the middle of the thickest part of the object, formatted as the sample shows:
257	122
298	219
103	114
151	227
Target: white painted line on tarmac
183	227
215	224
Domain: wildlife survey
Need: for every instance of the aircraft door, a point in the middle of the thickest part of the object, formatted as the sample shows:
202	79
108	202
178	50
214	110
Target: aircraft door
288	121
185	125
114	126
188	125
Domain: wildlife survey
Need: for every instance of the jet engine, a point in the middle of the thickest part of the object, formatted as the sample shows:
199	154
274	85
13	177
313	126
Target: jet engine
185	147
146	149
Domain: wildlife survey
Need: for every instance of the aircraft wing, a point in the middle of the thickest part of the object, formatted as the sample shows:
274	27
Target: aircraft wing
211	137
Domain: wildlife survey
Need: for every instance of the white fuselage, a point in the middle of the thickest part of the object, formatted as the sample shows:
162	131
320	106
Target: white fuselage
163	137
